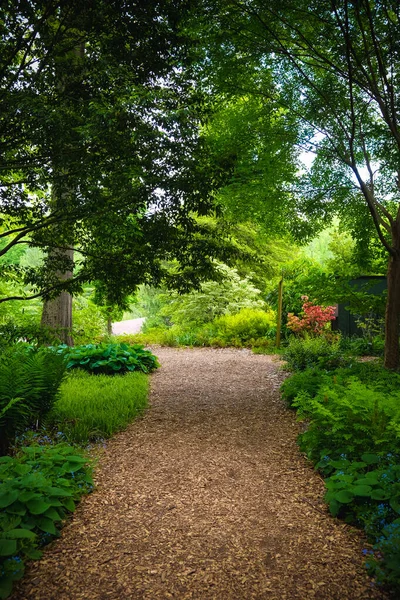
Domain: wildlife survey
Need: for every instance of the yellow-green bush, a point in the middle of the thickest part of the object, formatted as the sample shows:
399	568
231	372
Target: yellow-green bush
244	327
248	327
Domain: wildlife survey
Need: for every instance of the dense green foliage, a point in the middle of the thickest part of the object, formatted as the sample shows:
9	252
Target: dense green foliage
107	358
38	489
88	321
29	385
352	418
249	327
93	407
352	434
100	125
332	68
214	298
301	354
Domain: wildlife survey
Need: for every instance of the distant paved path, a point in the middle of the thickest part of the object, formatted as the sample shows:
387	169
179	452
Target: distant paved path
206	498
130	326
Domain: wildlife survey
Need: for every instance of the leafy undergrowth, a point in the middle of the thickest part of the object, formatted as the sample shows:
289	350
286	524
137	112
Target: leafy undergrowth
29	383
352	435
38	489
40	485
92	407
109	359
252	328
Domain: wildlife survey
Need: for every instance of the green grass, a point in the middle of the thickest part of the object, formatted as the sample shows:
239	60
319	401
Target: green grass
92	407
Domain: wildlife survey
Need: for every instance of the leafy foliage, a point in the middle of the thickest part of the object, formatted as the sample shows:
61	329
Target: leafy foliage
31	333
307	381
253	139
246	327
93	407
29	385
313	318
353	417
88	321
38	489
105	131
352	434
110	359
367	345
228	295
301	354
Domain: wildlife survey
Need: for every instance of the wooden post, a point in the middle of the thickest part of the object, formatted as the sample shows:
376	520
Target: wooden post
279	319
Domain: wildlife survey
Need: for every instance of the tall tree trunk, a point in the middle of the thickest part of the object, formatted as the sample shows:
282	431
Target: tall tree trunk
57	313
392	317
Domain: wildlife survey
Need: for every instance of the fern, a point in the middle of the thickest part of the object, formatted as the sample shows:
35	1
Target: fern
29	384
352	417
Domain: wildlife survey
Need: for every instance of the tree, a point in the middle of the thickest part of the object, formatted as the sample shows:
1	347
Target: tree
100	150
254	141
336	67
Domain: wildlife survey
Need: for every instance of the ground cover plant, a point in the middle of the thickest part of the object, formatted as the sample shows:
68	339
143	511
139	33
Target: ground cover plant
108	358
29	384
45	397
352	435
38	489
93	407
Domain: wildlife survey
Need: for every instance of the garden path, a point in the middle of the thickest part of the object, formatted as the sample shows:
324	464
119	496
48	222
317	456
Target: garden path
205	498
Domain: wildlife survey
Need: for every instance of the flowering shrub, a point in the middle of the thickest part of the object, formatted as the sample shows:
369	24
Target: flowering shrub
313	318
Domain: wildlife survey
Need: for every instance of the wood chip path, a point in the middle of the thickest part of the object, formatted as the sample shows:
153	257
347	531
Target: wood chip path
205	498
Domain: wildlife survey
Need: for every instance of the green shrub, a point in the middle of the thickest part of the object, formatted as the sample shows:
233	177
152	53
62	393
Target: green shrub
92	407
363	490
366	493
265	346
363	346
372	374
231	294
109	358
29	384
89	322
384	564
242	328
308	381
38	488
351	418
30	333
249	328
302	354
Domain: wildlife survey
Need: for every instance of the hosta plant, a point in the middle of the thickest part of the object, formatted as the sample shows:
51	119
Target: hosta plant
109	359
38	488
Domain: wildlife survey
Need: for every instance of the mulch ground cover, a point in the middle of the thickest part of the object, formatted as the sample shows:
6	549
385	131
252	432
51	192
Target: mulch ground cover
205	497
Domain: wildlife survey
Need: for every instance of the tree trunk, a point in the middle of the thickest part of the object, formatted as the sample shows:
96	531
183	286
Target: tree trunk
109	325
57	313
392	318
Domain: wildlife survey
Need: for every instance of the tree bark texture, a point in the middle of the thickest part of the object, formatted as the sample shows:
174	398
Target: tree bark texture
57	313
392	317
109	325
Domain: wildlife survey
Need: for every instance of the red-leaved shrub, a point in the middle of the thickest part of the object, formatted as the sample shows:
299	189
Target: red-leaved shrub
313	319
